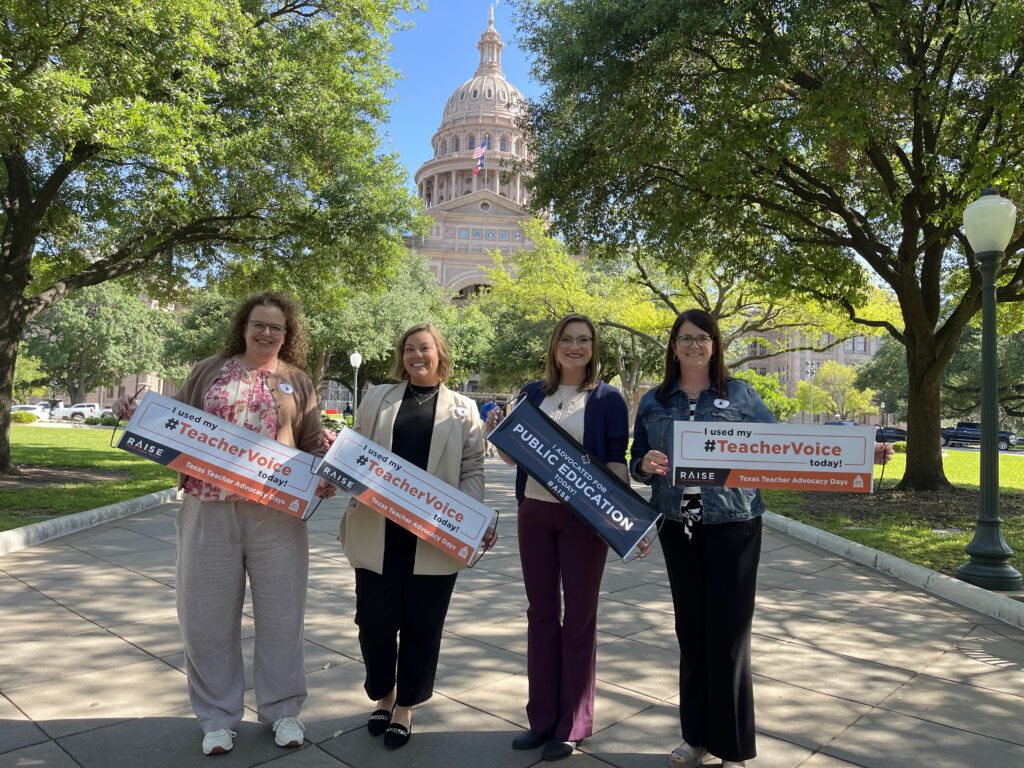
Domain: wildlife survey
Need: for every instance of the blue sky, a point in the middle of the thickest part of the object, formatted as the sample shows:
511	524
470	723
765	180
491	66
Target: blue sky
435	56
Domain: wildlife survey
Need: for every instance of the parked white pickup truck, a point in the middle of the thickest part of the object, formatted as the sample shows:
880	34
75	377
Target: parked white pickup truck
76	412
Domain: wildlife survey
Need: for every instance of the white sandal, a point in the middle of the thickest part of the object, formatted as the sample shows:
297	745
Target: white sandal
686	756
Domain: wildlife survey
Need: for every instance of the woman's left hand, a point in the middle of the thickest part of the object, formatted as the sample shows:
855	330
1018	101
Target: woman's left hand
327	437
643	548
883	452
325	490
490	539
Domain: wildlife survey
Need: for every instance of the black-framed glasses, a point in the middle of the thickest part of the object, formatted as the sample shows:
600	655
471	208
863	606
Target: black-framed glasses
689	341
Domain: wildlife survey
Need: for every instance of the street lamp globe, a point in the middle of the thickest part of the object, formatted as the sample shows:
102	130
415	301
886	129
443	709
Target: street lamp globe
356	360
989	222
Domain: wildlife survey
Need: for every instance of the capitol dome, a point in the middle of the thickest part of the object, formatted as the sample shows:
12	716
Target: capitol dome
474	187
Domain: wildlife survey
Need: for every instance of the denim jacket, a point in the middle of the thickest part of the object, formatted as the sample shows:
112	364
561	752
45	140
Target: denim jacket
653	429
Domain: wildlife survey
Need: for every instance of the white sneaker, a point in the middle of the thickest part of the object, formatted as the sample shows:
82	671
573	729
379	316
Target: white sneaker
218	742
288	731
686	756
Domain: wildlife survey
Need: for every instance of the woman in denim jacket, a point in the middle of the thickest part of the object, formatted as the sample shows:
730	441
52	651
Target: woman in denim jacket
711	540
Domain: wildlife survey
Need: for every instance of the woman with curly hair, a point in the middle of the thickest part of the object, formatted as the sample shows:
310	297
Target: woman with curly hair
256	382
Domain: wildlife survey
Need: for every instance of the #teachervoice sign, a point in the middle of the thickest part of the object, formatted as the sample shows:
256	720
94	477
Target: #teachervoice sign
554	459
230	457
789	456
423	504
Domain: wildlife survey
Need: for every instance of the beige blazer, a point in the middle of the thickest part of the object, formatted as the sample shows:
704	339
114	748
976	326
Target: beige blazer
456	456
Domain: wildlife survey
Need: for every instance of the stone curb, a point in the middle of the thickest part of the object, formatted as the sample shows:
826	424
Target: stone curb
960	592
37	533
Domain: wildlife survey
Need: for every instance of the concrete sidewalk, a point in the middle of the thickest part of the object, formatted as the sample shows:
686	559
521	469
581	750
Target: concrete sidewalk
851	667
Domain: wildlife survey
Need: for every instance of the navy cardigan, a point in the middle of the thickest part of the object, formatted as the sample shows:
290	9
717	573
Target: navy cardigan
605	425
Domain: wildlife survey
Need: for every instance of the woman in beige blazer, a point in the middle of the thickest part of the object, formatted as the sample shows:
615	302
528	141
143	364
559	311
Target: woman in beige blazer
403	584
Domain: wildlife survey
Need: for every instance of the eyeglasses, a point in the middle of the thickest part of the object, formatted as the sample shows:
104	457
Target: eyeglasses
579	341
689	341
274	328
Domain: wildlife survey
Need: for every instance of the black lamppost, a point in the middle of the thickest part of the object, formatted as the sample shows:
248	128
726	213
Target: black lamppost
988	224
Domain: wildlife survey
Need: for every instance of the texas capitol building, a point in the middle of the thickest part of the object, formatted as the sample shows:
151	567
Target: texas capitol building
475	213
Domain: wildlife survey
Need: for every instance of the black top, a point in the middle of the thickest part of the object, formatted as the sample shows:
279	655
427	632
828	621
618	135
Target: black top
410	439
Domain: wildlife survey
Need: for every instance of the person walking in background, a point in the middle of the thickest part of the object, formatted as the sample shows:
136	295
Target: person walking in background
494	418
711	540
561	554
257	382
404	584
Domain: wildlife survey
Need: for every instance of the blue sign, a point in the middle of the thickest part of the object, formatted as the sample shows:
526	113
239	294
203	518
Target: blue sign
544	451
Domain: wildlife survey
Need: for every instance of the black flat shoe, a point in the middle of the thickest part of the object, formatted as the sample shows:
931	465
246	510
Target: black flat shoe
531	739
378	722
557	750
397	735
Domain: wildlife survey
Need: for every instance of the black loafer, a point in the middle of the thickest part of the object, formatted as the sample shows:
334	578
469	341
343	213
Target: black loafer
531	740
557	750
397	735
378	722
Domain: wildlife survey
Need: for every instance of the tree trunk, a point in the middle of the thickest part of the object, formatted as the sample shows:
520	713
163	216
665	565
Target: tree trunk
924	452
12	324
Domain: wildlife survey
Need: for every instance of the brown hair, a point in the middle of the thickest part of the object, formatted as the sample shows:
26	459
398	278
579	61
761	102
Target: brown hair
718	372
444	358
295	348
551	369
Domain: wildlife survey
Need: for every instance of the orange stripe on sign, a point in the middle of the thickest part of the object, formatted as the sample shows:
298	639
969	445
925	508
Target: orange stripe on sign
416	525
848	482
232	482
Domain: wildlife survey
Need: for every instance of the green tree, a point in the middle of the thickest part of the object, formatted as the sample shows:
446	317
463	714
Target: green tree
772	393
96	337
30	380
801	141
187	142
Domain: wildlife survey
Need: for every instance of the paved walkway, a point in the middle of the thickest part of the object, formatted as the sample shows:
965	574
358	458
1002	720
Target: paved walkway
851	668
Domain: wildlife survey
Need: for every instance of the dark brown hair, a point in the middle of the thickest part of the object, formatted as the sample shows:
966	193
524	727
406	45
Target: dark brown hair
444	358
718	372
551	369
295	348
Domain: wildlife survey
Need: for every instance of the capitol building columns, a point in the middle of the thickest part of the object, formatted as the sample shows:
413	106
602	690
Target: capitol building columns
475	213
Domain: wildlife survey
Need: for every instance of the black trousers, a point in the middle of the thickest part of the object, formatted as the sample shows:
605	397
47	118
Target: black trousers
713	577
400	617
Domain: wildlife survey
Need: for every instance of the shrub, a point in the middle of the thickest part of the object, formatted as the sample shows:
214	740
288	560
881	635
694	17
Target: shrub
900	446
109	421
23	417
91	420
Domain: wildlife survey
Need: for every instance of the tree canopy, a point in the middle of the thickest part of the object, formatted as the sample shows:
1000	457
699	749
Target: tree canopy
802	141
187	141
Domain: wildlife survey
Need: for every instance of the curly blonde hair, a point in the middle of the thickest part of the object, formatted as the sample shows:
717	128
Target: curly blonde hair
295	348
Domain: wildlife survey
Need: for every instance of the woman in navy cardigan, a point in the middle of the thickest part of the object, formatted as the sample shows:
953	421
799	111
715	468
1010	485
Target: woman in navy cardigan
557	549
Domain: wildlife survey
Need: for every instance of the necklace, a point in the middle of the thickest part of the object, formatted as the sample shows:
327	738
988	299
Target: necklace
427	396
568	402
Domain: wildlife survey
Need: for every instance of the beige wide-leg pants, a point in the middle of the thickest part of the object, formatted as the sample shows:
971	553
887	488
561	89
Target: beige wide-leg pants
219	543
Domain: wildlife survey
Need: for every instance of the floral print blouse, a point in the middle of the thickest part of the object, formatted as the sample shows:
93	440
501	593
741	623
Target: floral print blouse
242	396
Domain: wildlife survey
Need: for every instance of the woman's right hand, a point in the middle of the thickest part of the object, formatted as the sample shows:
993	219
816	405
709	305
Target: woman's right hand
124	407
654	463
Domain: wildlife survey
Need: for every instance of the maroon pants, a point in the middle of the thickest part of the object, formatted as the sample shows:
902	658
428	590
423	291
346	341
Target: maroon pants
560	553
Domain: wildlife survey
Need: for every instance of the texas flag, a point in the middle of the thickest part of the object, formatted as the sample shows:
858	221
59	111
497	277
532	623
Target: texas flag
478	154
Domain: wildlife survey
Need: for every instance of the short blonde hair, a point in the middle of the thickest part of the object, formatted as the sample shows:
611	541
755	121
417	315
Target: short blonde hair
444	358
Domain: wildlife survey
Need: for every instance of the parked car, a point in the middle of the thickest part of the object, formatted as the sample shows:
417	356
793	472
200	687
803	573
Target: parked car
41	410
105	413
76	412
840	424
969	433
890	435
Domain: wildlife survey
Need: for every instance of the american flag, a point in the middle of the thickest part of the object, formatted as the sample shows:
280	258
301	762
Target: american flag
479	151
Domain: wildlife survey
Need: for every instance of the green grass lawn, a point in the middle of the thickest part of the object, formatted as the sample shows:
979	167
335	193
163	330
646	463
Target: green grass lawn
75	449
928	529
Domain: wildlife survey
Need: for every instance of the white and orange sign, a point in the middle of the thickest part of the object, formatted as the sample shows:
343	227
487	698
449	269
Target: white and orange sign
228	456
436	512
790	456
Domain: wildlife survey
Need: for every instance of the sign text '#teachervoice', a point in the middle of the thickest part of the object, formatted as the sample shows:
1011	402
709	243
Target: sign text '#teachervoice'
220	443
570	477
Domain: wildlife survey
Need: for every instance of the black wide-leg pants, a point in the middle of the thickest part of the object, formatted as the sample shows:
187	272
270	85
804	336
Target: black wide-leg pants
713	577
401	618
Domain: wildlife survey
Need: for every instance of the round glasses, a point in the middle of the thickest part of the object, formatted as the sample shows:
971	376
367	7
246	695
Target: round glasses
689	341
